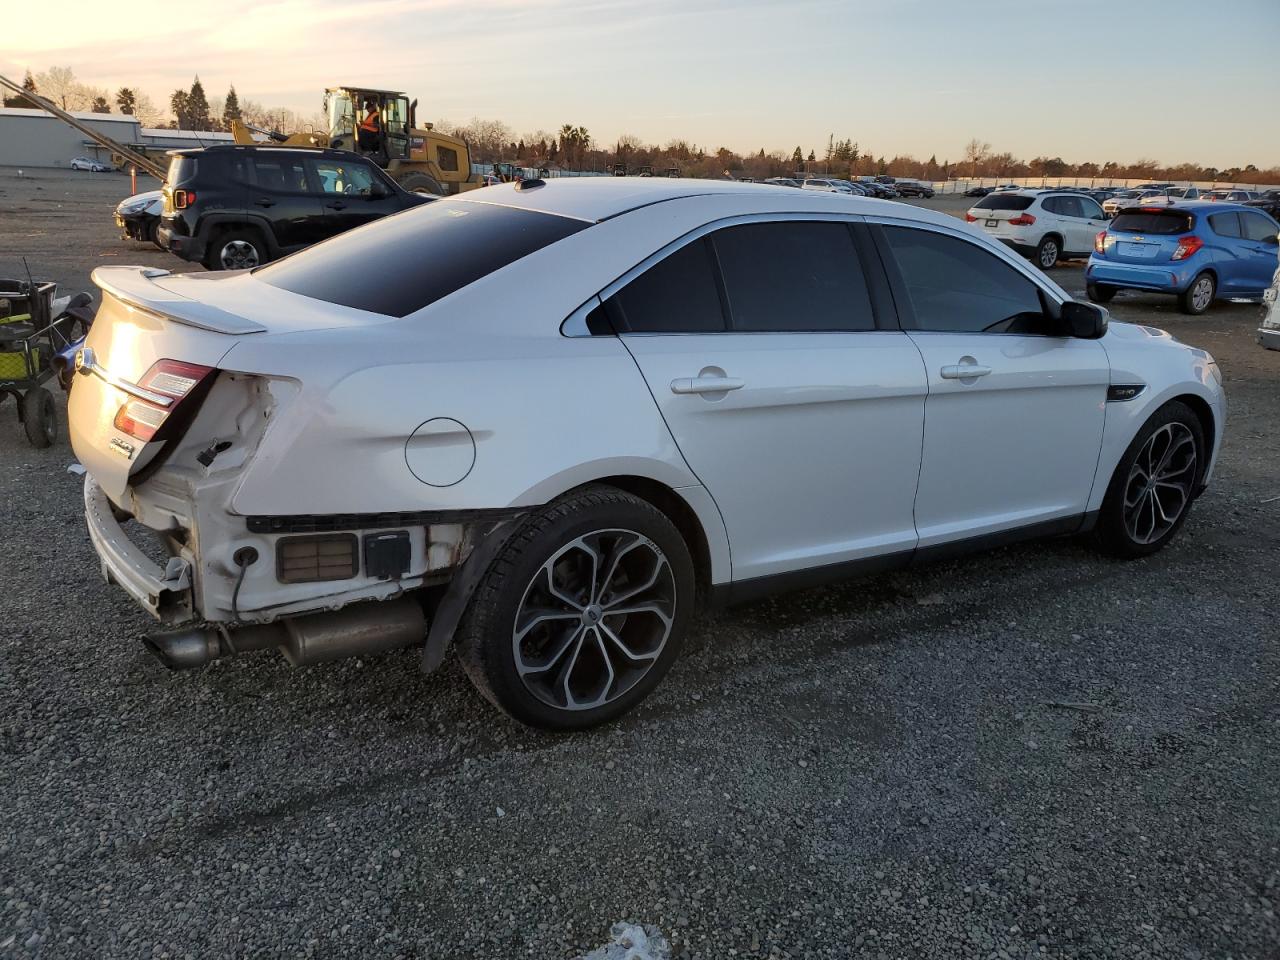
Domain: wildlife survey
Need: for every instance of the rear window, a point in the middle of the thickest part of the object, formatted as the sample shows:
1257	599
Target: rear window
1160	223
407	261
181	170
1004	201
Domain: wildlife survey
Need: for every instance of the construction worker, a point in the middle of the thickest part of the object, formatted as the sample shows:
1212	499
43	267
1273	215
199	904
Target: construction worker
367	134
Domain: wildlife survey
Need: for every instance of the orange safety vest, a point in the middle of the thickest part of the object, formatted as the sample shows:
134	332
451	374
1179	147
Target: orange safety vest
370	122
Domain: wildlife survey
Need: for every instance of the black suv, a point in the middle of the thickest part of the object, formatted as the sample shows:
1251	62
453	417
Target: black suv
231	207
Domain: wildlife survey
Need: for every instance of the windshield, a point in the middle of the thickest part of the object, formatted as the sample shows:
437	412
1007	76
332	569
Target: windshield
340	115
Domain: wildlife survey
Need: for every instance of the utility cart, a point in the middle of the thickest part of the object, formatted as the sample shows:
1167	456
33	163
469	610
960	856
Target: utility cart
38	336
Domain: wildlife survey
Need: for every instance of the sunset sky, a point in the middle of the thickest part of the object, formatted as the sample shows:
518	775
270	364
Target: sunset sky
1174	80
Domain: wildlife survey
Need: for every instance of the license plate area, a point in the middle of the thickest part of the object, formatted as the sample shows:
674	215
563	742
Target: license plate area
1137	251
993	223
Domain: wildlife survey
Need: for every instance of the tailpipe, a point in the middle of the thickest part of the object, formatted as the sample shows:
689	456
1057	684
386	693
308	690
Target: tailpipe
357	630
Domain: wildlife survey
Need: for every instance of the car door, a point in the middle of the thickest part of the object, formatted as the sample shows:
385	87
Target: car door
1260	235
1013	423
280	195
351	192
1094	221
801	416
1076	234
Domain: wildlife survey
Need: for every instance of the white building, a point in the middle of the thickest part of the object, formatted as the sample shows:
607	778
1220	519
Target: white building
34	138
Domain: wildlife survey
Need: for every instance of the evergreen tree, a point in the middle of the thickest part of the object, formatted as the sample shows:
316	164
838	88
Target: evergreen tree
100	105
28	84
797	159
231	108
126	100
198	107
179	103
812	156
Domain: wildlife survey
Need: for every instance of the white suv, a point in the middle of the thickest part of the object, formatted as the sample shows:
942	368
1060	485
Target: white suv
831	186
1045	225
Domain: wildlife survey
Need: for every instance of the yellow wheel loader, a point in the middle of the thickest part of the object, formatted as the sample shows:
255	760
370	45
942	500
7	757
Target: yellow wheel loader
380	125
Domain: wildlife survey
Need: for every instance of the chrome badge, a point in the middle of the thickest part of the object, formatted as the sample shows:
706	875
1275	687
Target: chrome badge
84	360
122	447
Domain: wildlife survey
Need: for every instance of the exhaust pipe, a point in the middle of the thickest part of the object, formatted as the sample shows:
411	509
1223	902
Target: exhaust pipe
357	630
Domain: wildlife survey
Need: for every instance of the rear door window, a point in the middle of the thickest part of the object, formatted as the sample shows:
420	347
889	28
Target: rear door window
278	172
678	294
1225	224
404	262
793	276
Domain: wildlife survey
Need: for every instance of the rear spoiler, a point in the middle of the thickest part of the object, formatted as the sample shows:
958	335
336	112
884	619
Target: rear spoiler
136	286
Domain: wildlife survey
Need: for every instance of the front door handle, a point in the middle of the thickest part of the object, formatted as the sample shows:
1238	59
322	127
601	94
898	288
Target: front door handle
336	205
264	202
964	371
706	384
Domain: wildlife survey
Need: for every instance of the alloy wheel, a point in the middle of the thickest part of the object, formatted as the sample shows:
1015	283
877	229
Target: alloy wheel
1160	483
594	619
1202	294
238	255
1048	254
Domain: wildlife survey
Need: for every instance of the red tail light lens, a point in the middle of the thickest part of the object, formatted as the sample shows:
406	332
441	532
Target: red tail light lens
1022	220
169	378
1100	242
183	199
970	218
1187	246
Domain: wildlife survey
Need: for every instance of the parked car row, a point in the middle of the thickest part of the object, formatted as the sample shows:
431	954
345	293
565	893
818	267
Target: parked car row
1152	240
882	187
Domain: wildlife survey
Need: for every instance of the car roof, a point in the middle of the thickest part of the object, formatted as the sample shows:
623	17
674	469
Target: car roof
1190	206
600	198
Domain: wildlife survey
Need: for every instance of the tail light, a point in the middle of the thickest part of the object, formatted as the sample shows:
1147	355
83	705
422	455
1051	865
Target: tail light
183	199
1100	242
1022	220
970	218
171	379
1187	246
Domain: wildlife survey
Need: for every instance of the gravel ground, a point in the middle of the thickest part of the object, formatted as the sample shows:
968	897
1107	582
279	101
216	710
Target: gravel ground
1031	753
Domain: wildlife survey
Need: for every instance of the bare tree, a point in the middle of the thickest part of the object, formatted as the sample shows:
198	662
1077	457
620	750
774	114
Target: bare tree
975	152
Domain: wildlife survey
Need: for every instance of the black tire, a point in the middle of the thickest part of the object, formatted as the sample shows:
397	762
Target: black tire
153	233
1099	292
236	249
487	639
1113	532
418	182
1199	295
1048	252
39	417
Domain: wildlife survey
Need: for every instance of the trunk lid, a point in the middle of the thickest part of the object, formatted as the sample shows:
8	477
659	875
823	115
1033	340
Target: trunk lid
1146	235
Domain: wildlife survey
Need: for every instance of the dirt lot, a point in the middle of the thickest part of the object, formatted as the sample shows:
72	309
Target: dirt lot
883	769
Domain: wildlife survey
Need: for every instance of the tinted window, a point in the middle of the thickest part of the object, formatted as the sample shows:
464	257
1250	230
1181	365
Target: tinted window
341	176
181	170
1054	205
447	158
402	263
1158	222
793	276
1257	227
1225	224
676	295
1003	201
955	286
277	172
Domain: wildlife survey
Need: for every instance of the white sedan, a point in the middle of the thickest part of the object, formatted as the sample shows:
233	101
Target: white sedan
541	423
93	166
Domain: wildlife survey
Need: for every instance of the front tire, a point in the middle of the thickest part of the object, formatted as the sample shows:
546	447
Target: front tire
582	613
1048	252
1198	297
1099	292
1154	483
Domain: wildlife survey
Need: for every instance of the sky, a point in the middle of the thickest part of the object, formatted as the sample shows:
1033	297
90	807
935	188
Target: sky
1172	80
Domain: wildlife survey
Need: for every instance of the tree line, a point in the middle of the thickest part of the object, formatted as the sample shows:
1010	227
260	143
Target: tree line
573	147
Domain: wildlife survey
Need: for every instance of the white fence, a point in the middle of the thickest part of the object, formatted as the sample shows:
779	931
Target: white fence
960	186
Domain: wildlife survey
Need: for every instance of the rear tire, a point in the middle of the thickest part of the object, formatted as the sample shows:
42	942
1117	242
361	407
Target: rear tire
1048	252
1151	491
1099	292
236	249
543	638
1198	297
424	183
39	417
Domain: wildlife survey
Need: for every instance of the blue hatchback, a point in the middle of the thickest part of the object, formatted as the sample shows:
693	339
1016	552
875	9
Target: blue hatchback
1199	251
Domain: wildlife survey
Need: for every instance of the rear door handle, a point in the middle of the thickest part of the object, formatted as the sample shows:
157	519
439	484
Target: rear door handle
336	205
964	371
706	384
264	202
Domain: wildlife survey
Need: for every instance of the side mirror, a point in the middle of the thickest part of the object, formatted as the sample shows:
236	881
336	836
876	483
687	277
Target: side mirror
377	190
1084	321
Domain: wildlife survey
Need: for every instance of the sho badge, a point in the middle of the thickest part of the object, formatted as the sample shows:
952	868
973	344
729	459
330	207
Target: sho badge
122	447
